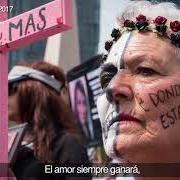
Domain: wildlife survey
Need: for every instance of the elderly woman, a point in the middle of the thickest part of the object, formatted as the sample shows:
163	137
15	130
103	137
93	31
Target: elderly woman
140	107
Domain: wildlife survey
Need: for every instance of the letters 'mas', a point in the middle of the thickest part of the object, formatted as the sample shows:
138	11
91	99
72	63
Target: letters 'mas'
28	26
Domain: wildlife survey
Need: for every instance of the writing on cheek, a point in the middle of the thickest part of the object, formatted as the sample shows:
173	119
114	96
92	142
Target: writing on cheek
170	117
141	103
162	96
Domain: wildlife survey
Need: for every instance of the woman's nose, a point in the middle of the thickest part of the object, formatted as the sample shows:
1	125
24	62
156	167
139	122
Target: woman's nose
118	91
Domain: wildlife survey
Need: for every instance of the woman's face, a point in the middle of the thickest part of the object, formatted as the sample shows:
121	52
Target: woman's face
146	94
81	106
13	108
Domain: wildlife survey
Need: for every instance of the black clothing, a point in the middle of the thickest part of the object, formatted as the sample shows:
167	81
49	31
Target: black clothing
67	151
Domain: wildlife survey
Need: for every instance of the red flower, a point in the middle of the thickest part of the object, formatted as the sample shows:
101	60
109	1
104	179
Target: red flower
160	20
129	23
141	18
175	26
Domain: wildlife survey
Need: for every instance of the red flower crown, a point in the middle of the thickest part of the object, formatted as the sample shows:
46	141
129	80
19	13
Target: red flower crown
158	25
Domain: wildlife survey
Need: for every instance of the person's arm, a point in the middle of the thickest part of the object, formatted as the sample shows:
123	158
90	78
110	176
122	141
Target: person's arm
68	149
70	152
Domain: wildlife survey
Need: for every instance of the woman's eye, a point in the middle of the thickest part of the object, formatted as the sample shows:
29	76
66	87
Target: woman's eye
107	73
106	78
144	71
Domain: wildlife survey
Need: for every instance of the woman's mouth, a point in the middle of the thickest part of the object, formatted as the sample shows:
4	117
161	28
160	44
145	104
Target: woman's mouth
123	118
127	117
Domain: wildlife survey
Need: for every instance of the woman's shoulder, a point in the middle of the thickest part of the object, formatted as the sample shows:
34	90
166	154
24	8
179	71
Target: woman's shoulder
69	149
68	141
67	138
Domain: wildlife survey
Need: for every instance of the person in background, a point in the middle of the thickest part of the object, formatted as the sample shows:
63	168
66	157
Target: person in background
140	107
81	109
36	96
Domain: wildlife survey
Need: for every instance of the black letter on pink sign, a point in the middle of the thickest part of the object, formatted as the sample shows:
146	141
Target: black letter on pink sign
30	22
18	26
42	18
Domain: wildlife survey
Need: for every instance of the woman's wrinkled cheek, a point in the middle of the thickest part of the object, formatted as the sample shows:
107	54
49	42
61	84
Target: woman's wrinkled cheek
159	103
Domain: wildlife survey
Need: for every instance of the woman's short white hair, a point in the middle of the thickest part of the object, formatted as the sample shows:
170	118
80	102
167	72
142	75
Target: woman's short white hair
150	9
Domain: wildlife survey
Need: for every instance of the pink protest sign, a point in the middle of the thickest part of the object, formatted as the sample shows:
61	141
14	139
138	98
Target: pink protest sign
3	104
39	23
3	95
